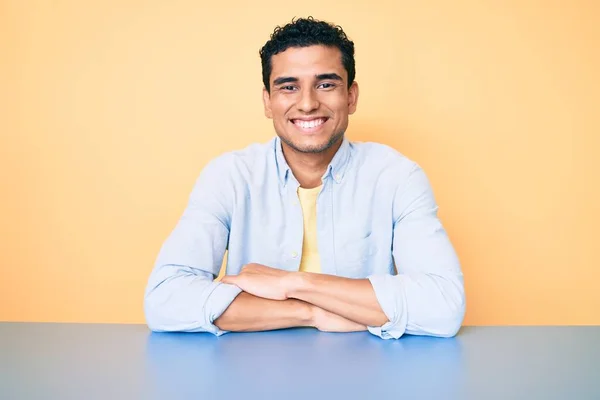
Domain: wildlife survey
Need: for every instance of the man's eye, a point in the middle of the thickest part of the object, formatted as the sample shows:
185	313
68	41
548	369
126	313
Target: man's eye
326	85
288	88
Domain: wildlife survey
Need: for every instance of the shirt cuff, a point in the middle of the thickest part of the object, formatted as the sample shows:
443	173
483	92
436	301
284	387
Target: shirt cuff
217	302
391	298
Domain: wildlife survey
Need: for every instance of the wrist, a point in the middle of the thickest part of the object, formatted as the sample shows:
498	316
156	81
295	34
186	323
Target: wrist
307	313
296	283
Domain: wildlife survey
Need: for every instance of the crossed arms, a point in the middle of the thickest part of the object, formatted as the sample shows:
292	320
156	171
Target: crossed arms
426	297
274	299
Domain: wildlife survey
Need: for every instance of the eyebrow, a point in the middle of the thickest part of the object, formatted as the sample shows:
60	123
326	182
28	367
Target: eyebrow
330	76
284	79
320	77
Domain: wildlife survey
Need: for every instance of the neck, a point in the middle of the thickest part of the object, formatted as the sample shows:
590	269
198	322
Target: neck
309	168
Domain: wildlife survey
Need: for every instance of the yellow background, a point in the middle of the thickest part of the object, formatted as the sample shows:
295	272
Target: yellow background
110	109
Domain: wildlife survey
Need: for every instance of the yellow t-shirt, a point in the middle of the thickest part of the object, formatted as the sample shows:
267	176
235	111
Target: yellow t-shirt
310	261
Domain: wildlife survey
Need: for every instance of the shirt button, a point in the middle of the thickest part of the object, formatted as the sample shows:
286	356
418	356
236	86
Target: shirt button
337	177
294	203
294	254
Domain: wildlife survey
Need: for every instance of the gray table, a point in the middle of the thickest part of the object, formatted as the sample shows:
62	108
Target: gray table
87	361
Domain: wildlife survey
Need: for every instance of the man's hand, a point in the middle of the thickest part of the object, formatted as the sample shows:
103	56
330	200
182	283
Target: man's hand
275	284
262	281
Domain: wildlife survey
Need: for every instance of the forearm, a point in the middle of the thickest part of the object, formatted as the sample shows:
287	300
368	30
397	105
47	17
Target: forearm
353	299
250	313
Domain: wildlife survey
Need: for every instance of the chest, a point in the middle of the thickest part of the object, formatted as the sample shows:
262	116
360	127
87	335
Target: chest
354	228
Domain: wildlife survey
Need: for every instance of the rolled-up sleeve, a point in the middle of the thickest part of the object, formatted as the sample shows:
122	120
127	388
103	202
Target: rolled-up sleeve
426	297
182	294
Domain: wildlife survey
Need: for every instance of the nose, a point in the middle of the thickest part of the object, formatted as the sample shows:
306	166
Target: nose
308	101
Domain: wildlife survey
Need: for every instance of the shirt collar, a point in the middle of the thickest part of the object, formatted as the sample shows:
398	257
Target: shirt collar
336	169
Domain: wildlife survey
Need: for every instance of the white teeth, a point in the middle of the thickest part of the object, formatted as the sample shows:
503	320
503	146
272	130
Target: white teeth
309	124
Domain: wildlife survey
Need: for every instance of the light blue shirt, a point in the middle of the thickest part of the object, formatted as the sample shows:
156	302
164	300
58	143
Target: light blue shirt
375	213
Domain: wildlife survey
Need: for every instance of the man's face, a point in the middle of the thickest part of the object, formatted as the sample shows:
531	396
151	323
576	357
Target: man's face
309	100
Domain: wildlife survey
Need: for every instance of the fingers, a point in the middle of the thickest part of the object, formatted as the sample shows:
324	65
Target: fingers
228	279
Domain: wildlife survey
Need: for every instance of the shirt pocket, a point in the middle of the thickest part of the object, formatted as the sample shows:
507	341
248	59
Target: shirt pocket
355	256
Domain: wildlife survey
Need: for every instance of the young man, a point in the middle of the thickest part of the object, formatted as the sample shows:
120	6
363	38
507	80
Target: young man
315	226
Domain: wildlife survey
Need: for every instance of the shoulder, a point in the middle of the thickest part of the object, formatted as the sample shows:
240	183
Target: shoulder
240	162
381	159
404	178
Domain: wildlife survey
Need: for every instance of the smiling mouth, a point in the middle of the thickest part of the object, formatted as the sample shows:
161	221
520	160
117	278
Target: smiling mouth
310	125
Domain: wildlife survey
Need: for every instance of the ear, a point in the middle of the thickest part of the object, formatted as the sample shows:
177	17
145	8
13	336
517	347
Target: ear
352	97
267	103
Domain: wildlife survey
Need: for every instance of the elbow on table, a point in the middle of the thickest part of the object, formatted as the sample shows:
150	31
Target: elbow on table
159	313
452	316
450	327
155	327
163	314
450	323
153	314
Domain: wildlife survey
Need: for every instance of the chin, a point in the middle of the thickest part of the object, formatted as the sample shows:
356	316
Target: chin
311	146
313	149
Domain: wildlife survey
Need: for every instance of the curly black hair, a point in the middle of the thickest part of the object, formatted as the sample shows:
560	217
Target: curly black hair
304	32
